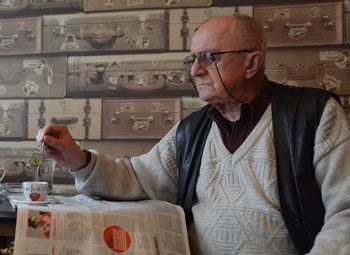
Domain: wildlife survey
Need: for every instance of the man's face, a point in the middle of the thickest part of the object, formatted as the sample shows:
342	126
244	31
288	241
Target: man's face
229	65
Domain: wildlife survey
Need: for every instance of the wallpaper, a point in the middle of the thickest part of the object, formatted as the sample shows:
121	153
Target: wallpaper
112	70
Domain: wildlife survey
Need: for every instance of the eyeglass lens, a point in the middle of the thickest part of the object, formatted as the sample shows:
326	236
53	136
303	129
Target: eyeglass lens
205	58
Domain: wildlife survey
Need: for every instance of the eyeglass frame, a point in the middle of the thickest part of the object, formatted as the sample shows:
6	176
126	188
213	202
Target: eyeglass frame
208	57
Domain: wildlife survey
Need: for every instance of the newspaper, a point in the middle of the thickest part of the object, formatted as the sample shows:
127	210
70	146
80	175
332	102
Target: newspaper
82	225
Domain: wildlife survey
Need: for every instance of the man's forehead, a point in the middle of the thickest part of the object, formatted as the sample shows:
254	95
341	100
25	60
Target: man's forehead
210	40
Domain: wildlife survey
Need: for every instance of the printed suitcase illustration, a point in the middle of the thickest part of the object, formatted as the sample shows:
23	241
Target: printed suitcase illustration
13	119
260	2
33	76
56	4
15	159
303	24
134	75
190	104
20	36
183	22
347	21
326	67
139	118
81	116
110	5
13	5
105	32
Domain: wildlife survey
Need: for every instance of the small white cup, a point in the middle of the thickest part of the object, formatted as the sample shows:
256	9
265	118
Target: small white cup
35	191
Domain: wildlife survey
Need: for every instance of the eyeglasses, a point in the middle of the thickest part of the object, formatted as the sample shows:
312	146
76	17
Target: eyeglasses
206	58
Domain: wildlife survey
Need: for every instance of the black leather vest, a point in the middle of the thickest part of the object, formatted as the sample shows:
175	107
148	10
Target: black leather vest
296	113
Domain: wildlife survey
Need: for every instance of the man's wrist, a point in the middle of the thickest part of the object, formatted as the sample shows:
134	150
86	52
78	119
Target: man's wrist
87	159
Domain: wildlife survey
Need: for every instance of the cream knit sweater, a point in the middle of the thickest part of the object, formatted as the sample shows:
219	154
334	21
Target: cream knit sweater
237	211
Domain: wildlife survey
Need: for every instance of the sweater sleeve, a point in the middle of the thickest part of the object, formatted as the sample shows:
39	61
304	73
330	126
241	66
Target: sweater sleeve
149	176
332	170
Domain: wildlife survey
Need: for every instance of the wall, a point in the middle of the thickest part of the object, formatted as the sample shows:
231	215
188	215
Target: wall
95	77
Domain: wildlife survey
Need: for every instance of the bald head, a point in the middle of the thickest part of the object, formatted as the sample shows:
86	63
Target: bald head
241	31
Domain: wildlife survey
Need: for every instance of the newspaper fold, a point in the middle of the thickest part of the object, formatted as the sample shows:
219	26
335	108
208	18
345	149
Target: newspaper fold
86	226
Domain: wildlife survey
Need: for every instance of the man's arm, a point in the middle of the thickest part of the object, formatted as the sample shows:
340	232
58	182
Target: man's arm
332	170
149	176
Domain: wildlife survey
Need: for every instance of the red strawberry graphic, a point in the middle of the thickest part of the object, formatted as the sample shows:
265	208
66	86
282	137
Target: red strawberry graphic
34	196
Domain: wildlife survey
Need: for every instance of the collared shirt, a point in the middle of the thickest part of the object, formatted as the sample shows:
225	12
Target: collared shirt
234	134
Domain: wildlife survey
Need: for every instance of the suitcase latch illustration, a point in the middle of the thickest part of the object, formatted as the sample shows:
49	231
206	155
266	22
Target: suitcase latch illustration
327	22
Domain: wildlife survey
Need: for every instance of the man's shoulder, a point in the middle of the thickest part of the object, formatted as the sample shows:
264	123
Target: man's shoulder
196	117
193	124
290	91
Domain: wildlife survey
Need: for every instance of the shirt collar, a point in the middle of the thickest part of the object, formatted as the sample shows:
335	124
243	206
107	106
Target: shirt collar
250	112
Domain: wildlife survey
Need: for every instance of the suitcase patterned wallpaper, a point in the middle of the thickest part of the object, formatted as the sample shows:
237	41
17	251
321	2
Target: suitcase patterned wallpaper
112	71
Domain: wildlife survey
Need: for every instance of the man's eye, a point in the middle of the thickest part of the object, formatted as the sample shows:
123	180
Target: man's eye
189	59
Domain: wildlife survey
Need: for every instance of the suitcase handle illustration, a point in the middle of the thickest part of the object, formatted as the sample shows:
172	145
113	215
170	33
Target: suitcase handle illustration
141	124
297	31
302	73
64	120
8	41
139	83
100	39
176	78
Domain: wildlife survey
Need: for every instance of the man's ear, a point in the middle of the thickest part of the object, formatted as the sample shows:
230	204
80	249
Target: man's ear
254	61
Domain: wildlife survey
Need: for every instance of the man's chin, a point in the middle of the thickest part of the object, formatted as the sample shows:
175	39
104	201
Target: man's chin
205	97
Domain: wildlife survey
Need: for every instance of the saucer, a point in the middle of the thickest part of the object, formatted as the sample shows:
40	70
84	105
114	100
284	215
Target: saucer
21	200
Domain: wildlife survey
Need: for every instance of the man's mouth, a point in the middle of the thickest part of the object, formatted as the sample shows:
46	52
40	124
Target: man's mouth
203	84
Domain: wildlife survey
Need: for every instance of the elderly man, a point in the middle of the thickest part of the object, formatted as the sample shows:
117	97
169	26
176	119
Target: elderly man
262	169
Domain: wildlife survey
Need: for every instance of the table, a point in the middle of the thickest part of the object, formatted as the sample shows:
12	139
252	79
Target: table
7	222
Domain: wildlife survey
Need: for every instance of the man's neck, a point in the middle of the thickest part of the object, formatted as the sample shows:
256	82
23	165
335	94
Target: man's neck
232	111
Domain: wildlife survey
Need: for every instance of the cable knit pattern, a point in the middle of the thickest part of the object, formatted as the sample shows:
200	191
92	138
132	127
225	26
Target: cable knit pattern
333	129
332	170
237	211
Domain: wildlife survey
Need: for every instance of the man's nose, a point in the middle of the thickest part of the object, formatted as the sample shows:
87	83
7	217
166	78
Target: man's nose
197	68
